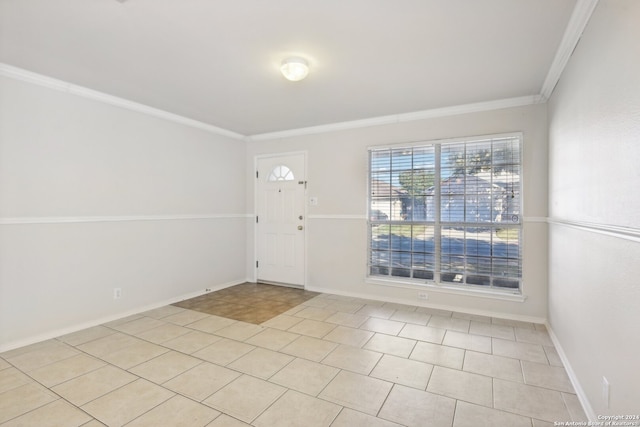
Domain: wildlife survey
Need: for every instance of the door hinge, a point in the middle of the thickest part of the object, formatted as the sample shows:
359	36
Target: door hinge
257	174
257	262
256	219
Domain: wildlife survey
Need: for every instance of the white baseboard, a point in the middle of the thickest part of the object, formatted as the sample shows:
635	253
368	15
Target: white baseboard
95	322
582	397
508	316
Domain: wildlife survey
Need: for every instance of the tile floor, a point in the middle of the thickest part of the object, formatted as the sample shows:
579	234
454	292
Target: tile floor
328	361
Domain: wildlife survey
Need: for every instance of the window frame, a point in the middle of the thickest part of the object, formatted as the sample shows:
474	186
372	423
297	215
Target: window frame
491	291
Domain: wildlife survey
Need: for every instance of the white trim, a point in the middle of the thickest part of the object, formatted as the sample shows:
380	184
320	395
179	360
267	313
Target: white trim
95	322
539	219
83	219
444	289
419	303
400	118
322	216
62	86
626	233
577	23
582	396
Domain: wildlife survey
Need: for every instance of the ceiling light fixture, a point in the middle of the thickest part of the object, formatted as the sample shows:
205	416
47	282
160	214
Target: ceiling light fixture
294	69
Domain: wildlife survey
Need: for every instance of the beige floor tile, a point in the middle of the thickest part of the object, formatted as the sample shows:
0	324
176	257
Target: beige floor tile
438	355
411	317
185	317
530	401
348	336
165	367
490	330
543	375
389	327
177	411
273	339
163	333
41	357
357	392
20	400
245	398
305	376
434	311
315	313
4	364
470	415
211	324
391	345
191	342
11	378
51	415
411	407
66	369
309	348
574	407
224	351
350	418
90	386
138	325
423	333
519	350
42	345
467	341
227	421
122	320
312	328
461	385
533	336
376	311
239	331
472	317
347	319
353	359
86	335
493	366
350	307
403	371
202	381
94	423
514	323
162	312
449	323
134	355
317	302
126	403
397	306
108	344
282	322
295	409
539	423
261	363
552	355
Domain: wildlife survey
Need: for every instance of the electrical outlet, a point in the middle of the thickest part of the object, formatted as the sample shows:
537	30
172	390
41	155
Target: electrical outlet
117	293
208	290
605	392
423	295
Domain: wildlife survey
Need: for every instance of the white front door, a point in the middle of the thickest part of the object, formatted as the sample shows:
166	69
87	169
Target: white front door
280	224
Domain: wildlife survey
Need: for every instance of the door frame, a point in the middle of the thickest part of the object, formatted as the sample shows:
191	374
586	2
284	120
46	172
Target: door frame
256	158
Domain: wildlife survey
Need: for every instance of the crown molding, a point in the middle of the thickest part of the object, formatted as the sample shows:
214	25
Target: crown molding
62	86
577	23
401	118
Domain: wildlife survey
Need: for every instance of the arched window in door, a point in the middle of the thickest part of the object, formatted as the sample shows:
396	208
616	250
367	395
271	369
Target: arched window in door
280	173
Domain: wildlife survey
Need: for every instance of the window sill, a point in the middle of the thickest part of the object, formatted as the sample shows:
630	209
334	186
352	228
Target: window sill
447	289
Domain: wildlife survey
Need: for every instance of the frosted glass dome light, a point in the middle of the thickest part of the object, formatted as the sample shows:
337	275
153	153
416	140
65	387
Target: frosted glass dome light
294	69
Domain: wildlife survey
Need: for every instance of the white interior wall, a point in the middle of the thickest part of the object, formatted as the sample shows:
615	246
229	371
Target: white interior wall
337	226
94	197
594	120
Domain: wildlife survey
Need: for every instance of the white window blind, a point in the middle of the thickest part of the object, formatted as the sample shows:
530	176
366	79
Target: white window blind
448	212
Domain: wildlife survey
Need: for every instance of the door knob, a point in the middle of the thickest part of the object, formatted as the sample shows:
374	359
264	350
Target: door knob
299	227
300	217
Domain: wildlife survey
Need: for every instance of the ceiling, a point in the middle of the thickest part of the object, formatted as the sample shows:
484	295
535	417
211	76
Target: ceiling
217	61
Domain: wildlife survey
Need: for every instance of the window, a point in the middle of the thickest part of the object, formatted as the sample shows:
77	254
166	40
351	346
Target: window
447	212
281	173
